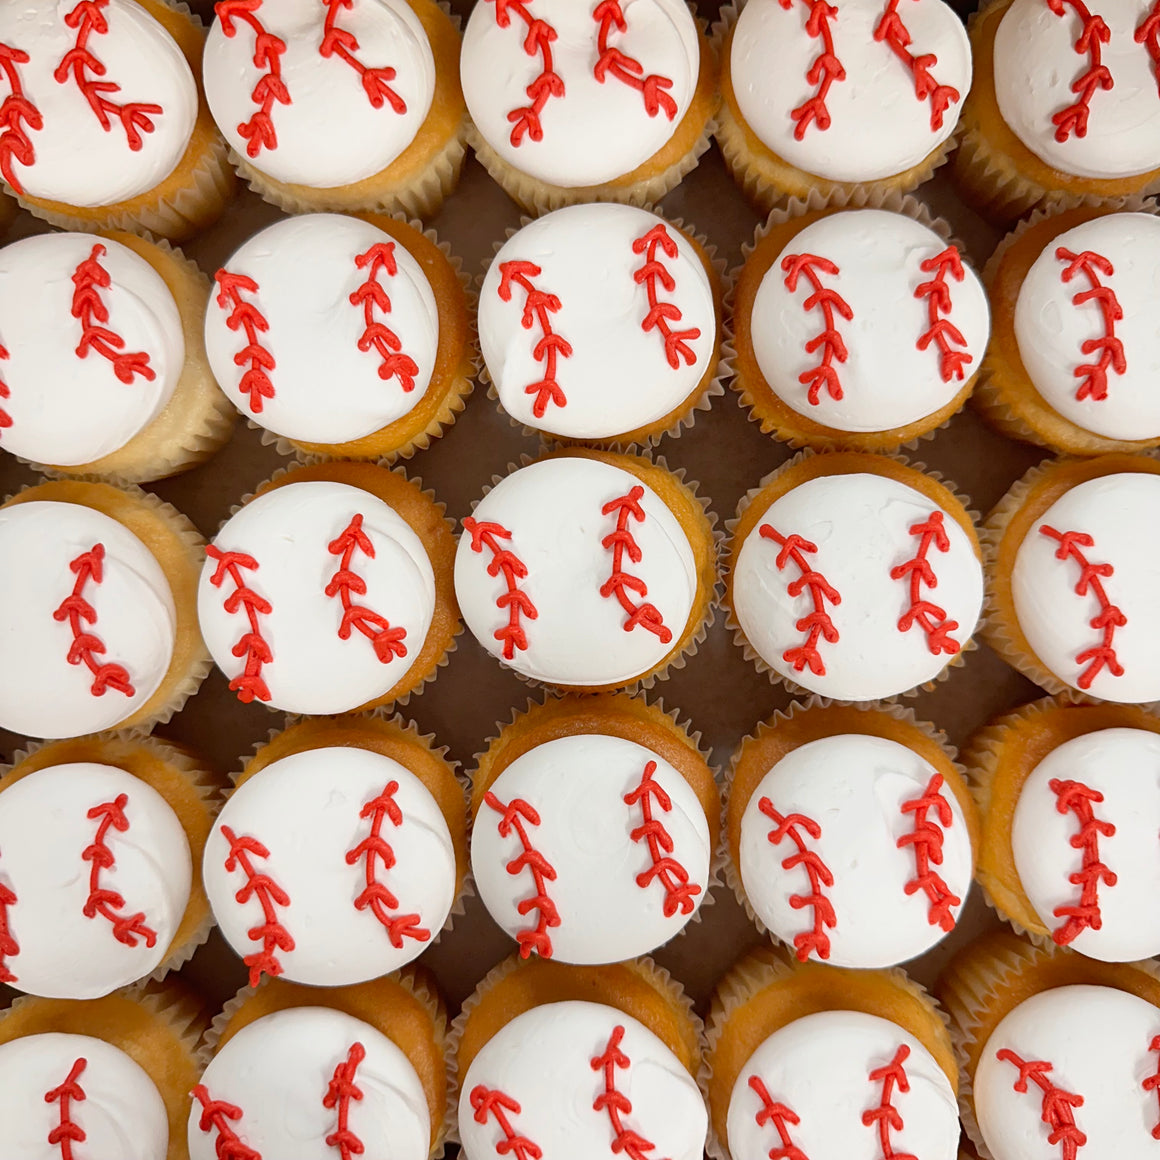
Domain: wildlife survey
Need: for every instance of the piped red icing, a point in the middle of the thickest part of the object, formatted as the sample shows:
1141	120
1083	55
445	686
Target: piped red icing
1058	1111
653	245
249	319
488	1102
249	684
5	418
781	1117
612	62
1152	1083
539	305
67	1131
9	947
89	279
488	536
341	42
941	331
1094	32
271	89
546	84
679	891
886	1118
932	815
1073	797
270	932
825	69
919	572
833	306
615	1103
376	336
896	36
622	584
102	901
815	939
219	1116
339	1094
1092	266
17	116
1148	34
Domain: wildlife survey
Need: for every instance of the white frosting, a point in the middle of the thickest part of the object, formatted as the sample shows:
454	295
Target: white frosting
1097	1042
122	1113
542	1060
1124	766
553	511
326	390
288	532
595	132
1051	328
305	810
854	787
278	1070
577	786
1036	64
76	161
43	695
329	134
860	525
65	409
1117	511
617	377
878	127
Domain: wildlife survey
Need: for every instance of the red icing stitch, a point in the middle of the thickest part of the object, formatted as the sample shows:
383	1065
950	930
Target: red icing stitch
815	939
1074	119
376	336
817	622
894	32
886	1117
941	331
616	1103
5	418
67	1131
928	616
344	44
1109	617
547	84
271	88
490	1102
386	641
9	947
1152	1082
249	683
215	1117
102	901
90	278
1058	1105
679	891
246	316
515	599
626	69
270	932
375	895
339	1094
1076	798
86	646
832	305
512	818
621	583
926	839
661	313
779	1116
538	305
1111	349
17	115
1148	34
823	72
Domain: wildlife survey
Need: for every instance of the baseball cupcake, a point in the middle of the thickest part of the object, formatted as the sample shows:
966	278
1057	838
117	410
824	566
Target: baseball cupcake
342	337
861	329
576	102
854	576
600	324
588	570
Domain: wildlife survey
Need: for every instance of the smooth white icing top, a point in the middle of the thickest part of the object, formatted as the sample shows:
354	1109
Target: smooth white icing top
1051	328
305	810
542	1060
67	409
326	390
819	1067
43	695
878	127
595	132
1036	64
854	787
886	380
1124	766
860	524
553	511
77	161
618	376
278	1070
288	532
1119	513
1097	1042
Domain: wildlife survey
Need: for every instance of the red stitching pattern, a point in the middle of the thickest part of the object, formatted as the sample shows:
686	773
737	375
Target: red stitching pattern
1148	34
215	1117
344	44
512	818
247	317
1152	1082
17	115
339	1094
1074	119
5	418
941	331
1058	1105
679	891
252	645
1111	349
377	336
89	279
271	88
886	1117
490	1102
926	839
661	313
271	933
1076	798
1107	619
621	583
823	72
102	901
894	32
925	613
538	305
67	1131
9	947
815	939
518	603
779	1116
626	69
547	84
616	1103
385	640
87	646
829	341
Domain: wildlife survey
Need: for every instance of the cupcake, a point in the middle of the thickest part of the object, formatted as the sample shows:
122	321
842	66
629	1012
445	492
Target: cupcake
342	1072
1073	600
851	834
1064	108
558	1060
600	324
859	329
595	822
587	102
345	337
835	559
833	1064
339	105
98	628
340	853
330	590
588	570
105	127
1073	361
104	370
802	111
1070	810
